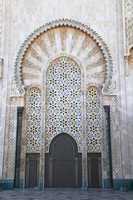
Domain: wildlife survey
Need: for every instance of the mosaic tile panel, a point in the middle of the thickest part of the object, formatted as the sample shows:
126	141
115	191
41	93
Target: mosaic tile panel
33	120
63	99
94	120
129	21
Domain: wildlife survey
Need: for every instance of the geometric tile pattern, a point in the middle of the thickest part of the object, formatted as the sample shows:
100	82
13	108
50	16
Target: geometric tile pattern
129	21
33	120
94	120
63	99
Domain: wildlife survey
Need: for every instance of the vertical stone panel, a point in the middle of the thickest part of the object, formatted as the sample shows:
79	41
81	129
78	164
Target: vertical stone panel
10	146
1	74
116	139
129	21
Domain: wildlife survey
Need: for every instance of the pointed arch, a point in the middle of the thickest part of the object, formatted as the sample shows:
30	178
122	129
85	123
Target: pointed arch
103	60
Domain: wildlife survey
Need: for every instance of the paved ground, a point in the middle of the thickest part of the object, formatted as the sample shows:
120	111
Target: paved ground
65	194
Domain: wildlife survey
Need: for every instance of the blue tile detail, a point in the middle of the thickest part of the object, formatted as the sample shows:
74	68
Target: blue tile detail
7	184
118	184
123	184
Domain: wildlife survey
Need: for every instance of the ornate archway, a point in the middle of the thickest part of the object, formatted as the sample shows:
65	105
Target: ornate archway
63	37
63	59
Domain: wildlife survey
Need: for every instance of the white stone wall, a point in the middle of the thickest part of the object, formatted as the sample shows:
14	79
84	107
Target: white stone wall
128	22
130	119
3	81
129	91
29	15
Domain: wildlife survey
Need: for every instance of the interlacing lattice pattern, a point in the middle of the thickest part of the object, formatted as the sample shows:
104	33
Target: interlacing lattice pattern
63	99
94	120
129	21
33	119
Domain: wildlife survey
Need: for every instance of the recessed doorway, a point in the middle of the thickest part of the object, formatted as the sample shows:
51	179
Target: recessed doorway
63	163
94	170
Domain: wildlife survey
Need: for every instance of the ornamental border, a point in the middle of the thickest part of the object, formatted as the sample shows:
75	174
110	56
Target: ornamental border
60	23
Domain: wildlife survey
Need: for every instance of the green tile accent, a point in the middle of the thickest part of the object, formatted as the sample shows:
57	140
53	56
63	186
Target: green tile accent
7	184
123	184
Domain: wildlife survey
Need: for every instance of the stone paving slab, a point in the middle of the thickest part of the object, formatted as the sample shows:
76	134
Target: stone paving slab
65	194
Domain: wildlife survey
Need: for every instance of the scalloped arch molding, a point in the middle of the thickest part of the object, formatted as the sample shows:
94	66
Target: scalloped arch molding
68	38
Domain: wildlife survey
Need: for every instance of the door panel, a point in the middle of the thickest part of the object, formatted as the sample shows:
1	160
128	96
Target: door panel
18	146
32	170
63	166
94	170
109	147
64	174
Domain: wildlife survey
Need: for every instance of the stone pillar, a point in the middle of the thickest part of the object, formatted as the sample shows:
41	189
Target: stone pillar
10	147
84	167
42	168
84	138
42	151
23	154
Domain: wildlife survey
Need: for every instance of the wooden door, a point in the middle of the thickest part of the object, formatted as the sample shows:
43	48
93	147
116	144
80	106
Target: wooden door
63	173
18	146
62	163
32	170
94	170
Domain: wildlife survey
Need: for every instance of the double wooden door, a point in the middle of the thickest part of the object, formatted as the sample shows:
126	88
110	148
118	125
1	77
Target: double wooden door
63	166
63	163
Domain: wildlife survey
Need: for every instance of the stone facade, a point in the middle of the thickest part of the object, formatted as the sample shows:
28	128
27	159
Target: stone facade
95	41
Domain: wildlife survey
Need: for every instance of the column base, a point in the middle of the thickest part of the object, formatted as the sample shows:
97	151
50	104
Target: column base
84	188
